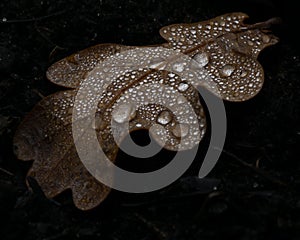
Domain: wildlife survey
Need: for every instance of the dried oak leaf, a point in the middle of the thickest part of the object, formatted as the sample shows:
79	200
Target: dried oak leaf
224	46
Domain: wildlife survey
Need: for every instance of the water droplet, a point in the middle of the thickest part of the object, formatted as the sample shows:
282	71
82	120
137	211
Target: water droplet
222	23
244	73
181	130
181	99
193	32
123	113
250	43
227	70
178	67
171	75
183	86
157	63
164	117
4	19
202	59
266	38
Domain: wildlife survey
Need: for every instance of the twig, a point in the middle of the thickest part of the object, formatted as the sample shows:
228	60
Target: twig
152	226
255	169
32	19
6	172
38	93
47	39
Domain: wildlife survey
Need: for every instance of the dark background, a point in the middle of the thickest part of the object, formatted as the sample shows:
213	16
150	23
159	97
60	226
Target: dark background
248	203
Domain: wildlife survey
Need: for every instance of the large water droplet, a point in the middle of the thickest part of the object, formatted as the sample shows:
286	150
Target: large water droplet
164	117
202	59
123	112
227	70
181	130
183	86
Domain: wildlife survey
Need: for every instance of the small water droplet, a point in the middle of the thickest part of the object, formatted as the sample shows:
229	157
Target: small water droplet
164	117
193	32
4	19
250	43
178	67
227	70
181	99
266	38
222	23
181	130
244	73
202	59
157	63
123	113
183	86
171	75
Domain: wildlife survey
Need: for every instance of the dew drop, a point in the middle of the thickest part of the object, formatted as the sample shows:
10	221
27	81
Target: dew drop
171	75
202	59
164	117
193	32
181	130
123	113
244	73
250	43
183	86
181	99
178	67
227	70
266	38
157	63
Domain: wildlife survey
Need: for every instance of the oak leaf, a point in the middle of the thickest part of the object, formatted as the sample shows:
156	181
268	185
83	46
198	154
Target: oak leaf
224	46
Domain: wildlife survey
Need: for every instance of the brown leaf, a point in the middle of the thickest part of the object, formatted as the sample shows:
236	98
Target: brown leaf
225	47
70	71
45	136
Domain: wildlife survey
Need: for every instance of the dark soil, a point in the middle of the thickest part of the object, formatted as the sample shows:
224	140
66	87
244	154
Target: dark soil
249	202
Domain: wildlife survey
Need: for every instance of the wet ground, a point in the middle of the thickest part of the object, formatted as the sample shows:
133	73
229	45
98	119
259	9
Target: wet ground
257	176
